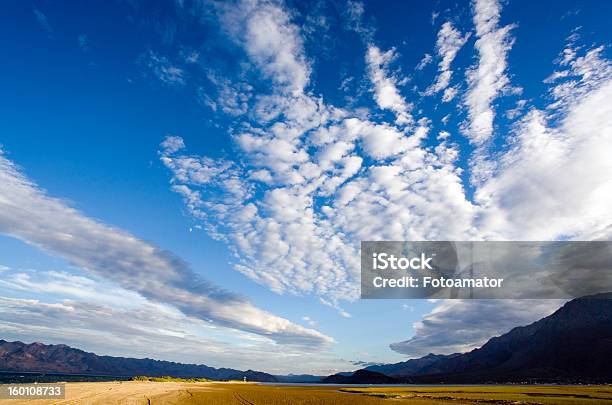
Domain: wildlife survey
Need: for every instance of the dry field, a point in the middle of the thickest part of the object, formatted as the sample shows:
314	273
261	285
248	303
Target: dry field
138	392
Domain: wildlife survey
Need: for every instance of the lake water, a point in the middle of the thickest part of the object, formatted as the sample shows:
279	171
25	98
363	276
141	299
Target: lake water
364	385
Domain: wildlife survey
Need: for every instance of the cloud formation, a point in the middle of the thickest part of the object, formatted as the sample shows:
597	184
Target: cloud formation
449	42
528	197
312	179
489	77
458	326
287	208
95	314
272	43
29	214
385	89
560	171
161	67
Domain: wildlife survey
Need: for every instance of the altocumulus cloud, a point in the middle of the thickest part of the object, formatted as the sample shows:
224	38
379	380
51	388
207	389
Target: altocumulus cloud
297	150
313	179
29	214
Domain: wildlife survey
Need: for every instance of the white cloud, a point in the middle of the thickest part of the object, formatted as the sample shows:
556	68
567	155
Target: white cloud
284	241
353	15
261	232
271	41
67	285
379	141
173	144
582	74
30	215
489	78
287	206
146	329
449	93
445	119
106	329
97	315
310	321
561	172
516	111
434	16
427	59
443	135
448	44
312	180
163	69
553	183
385	89
192	57
232	98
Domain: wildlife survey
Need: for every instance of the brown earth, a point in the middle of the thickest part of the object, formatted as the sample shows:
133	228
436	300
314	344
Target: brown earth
183	393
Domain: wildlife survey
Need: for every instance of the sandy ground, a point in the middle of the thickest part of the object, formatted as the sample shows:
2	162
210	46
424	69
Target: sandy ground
119	392
219	393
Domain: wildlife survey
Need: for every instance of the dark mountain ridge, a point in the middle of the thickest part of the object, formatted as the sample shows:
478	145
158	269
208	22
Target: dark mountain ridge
38	357
413	366
574	344
361	377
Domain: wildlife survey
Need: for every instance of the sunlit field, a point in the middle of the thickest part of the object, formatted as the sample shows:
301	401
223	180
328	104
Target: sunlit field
138	392
528	394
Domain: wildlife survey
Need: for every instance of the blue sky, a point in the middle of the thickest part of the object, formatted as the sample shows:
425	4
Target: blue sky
191	180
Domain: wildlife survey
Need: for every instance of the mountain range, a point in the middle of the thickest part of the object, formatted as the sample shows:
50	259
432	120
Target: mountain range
574	344
62	359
